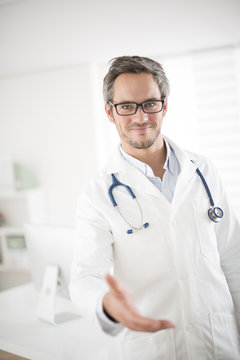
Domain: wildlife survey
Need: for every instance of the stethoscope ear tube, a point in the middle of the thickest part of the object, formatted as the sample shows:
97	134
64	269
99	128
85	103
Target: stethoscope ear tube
116	183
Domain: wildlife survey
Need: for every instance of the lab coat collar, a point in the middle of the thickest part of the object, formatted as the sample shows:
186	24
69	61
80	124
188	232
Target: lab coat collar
169	163
146	169
131	176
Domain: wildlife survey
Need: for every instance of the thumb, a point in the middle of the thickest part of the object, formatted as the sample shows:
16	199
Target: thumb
114	284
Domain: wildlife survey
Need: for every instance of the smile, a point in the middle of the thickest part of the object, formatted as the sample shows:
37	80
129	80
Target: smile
141	129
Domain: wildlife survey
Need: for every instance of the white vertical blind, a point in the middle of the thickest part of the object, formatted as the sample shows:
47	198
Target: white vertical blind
217	111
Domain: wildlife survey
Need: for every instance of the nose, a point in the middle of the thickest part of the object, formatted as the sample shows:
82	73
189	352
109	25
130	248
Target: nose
140	115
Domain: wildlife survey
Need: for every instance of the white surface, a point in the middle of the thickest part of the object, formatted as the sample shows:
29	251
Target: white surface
10	277
37	34
22	334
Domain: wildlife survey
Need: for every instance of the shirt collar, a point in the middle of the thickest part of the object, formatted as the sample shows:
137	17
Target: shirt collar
146	169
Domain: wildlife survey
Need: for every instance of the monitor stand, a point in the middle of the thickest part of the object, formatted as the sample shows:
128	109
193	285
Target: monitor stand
48	298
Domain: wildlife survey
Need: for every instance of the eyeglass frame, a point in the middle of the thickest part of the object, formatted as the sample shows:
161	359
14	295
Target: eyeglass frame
138	104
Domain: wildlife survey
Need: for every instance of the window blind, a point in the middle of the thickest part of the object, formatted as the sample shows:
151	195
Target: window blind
215	75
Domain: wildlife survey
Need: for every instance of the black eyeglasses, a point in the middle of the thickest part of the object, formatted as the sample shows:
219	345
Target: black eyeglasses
130	108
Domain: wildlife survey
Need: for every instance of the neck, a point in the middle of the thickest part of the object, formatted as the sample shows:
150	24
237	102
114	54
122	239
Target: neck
155	156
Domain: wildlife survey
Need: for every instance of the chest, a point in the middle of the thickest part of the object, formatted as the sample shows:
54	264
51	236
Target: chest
179	235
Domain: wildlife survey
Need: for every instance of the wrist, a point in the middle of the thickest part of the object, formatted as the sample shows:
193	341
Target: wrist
106	300
109	316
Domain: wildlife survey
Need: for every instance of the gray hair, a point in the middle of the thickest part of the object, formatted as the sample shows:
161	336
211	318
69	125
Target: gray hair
135	65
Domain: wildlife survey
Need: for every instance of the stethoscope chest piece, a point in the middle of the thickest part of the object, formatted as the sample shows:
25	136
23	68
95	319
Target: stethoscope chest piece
215	214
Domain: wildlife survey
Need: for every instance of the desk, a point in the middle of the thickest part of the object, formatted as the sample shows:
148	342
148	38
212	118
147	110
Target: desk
23	334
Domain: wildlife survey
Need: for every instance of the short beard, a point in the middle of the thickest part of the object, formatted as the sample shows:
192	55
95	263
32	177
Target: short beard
142	144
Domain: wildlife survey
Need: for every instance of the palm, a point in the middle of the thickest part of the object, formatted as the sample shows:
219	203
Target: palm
118	303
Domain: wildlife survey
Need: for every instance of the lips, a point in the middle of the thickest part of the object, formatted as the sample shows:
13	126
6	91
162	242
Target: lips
142	127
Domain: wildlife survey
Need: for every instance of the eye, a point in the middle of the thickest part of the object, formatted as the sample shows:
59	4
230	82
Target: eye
150	104
126	106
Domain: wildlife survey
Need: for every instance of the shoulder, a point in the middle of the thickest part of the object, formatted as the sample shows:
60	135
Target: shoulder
100	182
201	161
198	159
92	202
98	186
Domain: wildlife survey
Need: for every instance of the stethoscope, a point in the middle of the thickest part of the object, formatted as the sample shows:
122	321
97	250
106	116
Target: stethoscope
215	213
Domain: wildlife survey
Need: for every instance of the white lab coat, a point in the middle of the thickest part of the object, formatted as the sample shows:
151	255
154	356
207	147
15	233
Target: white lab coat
183	267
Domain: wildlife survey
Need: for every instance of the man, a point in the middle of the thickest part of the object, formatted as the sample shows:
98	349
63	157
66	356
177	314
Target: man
175	292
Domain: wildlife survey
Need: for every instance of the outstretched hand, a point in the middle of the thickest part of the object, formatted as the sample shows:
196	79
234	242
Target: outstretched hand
119	304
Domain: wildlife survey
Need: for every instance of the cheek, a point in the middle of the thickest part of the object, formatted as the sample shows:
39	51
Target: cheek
123	124
155	121
160	119
120	127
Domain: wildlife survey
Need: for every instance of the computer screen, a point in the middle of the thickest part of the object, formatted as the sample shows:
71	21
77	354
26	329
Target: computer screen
50	245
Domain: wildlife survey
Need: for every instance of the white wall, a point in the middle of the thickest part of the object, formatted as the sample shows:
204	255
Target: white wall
37	34
46	123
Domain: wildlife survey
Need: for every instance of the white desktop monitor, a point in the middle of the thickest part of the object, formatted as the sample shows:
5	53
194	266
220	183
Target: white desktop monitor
50	252
50	245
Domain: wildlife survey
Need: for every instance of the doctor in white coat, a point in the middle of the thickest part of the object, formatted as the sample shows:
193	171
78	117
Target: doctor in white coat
174	292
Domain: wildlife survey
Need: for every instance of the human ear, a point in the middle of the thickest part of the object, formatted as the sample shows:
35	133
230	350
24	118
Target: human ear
165	107
108	110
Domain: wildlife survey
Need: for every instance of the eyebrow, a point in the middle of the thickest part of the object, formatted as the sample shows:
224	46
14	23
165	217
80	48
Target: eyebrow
135	102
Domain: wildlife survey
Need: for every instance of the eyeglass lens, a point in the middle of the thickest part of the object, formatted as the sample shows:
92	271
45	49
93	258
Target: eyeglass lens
149	107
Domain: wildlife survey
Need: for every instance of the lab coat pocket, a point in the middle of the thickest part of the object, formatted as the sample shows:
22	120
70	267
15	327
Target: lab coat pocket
205	228
160	346
225	337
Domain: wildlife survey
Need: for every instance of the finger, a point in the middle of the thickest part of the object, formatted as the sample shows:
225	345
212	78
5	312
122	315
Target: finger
114	284
153	325
150	325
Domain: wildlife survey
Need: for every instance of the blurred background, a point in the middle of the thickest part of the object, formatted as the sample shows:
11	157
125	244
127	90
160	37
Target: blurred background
54	134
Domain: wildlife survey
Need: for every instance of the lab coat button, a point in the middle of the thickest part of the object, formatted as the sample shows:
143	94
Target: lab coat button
183	276
203	253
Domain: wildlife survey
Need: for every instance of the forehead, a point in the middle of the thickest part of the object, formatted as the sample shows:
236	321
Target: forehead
135	87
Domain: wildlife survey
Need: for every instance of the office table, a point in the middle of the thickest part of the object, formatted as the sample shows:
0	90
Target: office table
21	333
